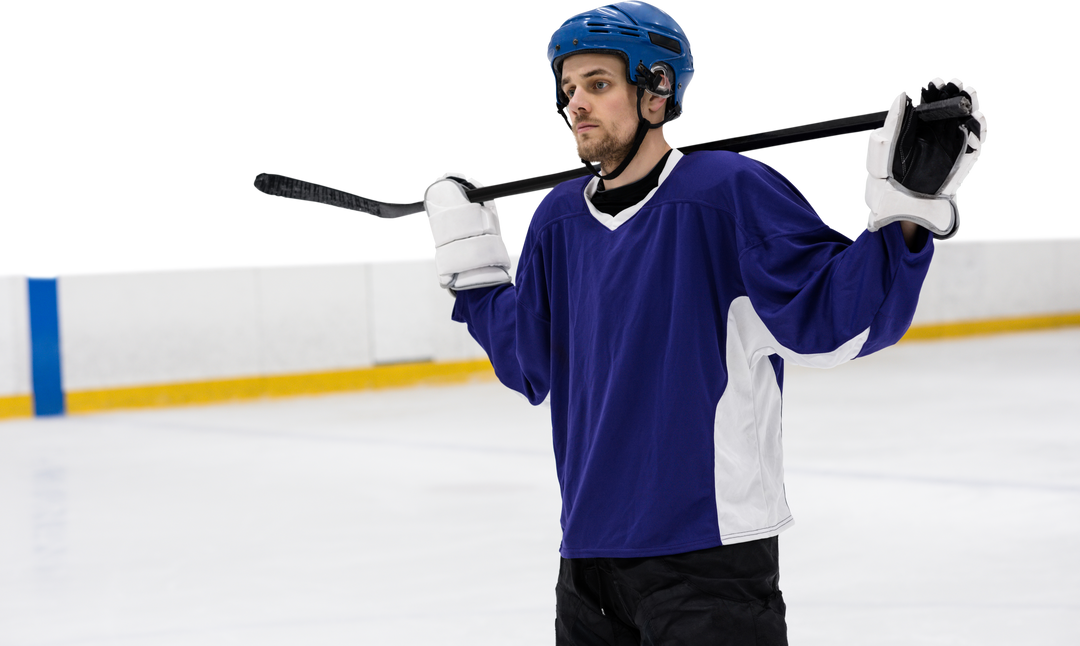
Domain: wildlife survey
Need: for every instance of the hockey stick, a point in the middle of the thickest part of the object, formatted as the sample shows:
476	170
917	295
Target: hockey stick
301	190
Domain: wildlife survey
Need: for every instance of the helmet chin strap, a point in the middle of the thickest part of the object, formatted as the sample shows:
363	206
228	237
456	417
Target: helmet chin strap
643	128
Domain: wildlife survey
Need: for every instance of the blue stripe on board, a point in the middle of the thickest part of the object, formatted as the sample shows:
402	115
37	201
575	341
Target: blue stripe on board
45	347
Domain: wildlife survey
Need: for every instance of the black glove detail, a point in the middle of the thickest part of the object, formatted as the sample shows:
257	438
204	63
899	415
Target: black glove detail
927	150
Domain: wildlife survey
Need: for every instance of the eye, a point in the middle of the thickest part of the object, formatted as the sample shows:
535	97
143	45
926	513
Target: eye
594	86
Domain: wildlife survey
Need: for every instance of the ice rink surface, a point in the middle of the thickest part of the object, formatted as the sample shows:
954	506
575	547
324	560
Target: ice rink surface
935	486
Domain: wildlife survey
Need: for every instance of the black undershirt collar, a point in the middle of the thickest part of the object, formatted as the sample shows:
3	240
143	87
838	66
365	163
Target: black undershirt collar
618	199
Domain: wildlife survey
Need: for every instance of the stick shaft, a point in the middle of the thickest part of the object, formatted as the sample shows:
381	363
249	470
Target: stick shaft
298	189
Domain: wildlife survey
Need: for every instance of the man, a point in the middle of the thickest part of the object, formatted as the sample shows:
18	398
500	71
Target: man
654	307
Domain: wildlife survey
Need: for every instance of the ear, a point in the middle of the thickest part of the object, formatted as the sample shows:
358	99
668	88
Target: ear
654	107
658	91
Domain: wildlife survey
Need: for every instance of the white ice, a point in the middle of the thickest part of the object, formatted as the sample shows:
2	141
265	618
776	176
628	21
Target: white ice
936	489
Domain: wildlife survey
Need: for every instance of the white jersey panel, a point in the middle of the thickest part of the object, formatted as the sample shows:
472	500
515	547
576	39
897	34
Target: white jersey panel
749	459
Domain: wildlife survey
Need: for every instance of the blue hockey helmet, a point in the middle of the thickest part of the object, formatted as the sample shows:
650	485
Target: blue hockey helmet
646	37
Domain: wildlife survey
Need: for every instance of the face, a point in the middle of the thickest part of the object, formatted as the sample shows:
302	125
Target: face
602	108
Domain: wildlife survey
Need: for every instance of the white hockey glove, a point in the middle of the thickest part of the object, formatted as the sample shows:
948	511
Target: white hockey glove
916	165
469	251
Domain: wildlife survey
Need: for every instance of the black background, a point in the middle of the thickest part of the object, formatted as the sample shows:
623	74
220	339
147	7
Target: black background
380	102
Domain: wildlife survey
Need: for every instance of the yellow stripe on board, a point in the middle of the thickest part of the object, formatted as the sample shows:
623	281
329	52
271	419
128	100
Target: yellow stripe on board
991	326
17	406
205	392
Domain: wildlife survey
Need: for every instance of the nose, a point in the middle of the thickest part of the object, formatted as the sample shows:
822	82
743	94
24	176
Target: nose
578	103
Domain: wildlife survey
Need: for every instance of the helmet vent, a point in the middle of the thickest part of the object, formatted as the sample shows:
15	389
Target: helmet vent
613	28
619	31
665	42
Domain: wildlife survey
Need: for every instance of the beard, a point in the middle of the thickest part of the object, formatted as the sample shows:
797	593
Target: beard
609	148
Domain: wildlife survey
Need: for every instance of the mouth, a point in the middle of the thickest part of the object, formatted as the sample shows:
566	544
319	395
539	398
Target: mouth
584	126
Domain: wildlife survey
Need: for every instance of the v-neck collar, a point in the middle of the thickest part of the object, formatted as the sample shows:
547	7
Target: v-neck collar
618	220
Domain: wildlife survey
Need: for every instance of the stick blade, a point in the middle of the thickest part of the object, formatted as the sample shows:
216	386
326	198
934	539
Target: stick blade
300	190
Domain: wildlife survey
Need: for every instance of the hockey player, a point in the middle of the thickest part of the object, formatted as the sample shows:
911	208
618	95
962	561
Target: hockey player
654	308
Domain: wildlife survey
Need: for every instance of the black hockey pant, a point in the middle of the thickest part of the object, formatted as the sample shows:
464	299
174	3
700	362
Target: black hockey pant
726	595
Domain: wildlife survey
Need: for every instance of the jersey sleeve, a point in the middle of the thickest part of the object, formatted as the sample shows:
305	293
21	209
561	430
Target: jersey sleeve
821	298
495	321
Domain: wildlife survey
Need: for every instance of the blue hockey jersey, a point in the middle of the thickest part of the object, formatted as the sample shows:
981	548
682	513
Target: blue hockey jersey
659	336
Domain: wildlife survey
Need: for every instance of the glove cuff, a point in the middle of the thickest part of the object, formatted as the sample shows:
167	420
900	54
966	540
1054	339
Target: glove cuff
477	278
890	202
